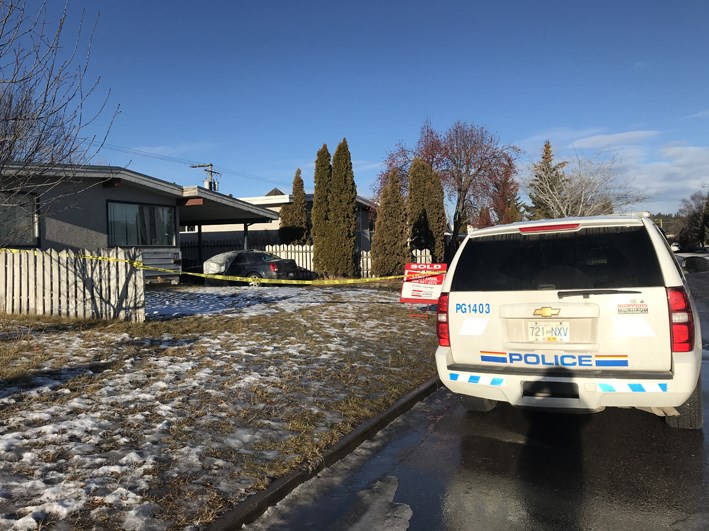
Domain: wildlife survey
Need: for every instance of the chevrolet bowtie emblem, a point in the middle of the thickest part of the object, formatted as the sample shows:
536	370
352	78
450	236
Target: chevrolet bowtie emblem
546	311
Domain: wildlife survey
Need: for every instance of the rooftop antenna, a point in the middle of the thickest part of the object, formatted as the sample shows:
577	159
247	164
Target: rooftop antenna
210	183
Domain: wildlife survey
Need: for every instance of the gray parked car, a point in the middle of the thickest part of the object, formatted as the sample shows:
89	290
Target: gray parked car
254	265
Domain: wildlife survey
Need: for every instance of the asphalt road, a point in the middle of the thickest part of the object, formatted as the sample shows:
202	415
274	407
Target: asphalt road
440	467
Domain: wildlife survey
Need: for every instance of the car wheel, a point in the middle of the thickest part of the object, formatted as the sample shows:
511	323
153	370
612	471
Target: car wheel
474	403
254	279
690	413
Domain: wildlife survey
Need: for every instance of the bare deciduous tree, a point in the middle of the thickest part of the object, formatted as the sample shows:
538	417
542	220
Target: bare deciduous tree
43	95
589	187
468	159
429	148
473	160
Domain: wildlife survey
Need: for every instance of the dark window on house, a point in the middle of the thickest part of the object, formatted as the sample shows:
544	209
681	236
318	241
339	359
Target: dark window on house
140	225
18	219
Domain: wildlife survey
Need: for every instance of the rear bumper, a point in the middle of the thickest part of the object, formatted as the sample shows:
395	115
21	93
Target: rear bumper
289	275
594	393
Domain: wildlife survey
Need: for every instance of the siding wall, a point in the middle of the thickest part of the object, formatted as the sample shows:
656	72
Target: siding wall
76	218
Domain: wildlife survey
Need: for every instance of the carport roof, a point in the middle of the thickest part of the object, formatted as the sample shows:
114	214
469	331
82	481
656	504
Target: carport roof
200	206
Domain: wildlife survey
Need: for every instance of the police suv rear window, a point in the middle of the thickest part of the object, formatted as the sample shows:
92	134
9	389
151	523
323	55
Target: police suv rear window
610	257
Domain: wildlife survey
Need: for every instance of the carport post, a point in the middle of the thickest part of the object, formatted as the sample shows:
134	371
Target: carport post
199	245
246	236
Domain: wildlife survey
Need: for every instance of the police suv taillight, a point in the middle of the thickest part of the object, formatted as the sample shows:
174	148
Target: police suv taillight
681	320
444	339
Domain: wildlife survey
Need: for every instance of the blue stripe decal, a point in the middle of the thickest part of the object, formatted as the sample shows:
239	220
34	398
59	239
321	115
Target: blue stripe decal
497	381
494	359
623	387
474	379
611	363
454	377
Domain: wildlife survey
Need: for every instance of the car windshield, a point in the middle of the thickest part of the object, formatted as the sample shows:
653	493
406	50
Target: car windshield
591	258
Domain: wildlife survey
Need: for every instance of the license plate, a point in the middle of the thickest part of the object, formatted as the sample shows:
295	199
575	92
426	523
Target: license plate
548	332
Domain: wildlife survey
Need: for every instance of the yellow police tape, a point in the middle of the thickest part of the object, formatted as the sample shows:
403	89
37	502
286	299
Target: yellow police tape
316	282
250	280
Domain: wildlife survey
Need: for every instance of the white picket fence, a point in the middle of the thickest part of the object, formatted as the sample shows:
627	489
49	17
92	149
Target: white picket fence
84	284
303	256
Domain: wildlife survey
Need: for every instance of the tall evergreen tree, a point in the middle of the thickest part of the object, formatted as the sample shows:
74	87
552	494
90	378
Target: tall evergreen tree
389	247
342	255
436	211
426	210
547	187
300	206
421	234
294	215
319	214
505	205
484	217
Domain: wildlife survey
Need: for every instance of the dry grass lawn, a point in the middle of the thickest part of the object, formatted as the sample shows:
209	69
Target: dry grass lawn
254	397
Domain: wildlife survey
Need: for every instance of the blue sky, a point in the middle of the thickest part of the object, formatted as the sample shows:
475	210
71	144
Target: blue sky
257	87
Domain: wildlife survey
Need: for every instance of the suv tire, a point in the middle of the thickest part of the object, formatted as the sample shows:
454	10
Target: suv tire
480	405
690	413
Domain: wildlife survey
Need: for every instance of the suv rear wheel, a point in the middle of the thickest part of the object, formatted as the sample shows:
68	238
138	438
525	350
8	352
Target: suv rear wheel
474	403
690	413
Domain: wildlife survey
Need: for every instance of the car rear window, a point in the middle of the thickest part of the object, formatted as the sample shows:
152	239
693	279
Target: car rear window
611	257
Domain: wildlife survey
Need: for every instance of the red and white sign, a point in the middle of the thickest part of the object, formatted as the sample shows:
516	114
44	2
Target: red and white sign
423	282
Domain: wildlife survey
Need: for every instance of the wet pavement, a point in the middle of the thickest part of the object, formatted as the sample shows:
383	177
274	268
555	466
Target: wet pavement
441	467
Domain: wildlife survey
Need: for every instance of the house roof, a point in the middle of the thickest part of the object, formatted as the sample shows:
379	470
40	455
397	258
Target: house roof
272	199
196	205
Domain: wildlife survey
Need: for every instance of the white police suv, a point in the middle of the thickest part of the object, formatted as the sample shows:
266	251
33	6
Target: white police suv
575	313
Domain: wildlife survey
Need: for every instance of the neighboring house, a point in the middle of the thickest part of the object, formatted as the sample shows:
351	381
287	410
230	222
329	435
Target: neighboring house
95	207
262	234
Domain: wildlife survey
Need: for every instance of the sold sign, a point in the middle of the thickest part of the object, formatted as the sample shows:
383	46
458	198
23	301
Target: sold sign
422	283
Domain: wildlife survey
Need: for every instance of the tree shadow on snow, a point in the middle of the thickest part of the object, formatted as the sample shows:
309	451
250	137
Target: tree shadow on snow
50	379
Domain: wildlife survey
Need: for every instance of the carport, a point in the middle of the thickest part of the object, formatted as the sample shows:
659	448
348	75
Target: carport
200	206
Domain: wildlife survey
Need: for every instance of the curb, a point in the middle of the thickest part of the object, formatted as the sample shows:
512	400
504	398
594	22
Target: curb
255	505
